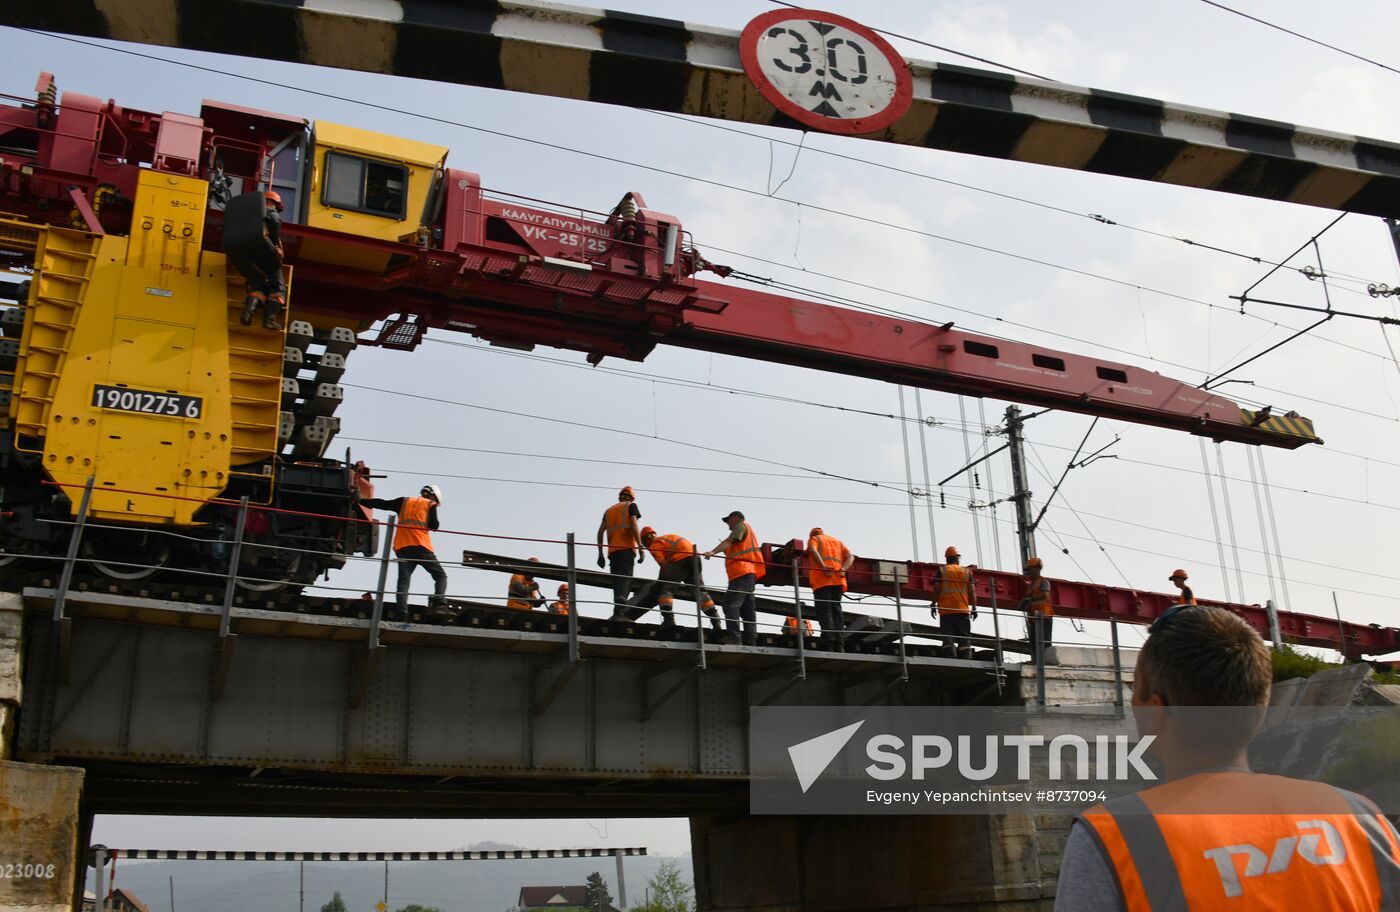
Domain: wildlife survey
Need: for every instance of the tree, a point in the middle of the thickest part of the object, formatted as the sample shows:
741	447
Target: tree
414	907
335	905
596	897
668	891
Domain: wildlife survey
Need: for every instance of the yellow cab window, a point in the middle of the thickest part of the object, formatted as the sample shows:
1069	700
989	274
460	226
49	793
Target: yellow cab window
365	185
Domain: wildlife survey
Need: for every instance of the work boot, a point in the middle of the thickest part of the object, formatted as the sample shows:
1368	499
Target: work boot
750	639
668	621
965	652
271	311
716	626
439	610
947	652
250	307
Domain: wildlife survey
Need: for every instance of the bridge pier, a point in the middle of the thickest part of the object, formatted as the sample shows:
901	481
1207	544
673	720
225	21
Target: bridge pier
41	826
855	864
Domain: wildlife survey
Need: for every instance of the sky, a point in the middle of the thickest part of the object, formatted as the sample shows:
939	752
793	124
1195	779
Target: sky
1058	279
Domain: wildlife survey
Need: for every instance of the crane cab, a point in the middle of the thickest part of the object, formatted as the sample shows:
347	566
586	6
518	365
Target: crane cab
370	186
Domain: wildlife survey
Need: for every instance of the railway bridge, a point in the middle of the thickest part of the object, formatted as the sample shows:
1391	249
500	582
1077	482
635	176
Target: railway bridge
161	701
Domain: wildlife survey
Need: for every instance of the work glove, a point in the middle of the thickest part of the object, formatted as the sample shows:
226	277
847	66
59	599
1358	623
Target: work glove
601	563
641	557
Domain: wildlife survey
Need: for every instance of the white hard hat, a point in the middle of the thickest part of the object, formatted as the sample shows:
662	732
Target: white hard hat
433	490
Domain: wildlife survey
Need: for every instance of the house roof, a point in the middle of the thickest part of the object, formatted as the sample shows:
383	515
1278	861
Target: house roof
552	897
131	900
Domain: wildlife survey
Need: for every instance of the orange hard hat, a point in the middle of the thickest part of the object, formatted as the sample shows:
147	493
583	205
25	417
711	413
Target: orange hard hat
816	530
626	492
563	588
1035	562
950	551
273	197
534	560
647	530
1178	572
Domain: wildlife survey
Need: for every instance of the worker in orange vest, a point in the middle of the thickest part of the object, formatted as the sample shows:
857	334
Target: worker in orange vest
743	562
413	546
624	544
1178	579
828	559
1215	835
790	626
956	605
1040	614
523	592
678	570
561	606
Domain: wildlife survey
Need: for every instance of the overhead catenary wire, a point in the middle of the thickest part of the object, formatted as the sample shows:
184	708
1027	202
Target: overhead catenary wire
928	486
1214	518
1263	530
1273	526
908	476
1307	38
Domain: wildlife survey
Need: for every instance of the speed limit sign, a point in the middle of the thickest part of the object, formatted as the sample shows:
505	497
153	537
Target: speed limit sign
826	71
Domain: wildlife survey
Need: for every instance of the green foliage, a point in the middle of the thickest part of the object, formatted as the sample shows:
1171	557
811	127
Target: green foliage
1290	663
668	891
335	905
414	907
596	897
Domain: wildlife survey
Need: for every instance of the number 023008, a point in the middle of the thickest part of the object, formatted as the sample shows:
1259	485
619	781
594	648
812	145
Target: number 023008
125	399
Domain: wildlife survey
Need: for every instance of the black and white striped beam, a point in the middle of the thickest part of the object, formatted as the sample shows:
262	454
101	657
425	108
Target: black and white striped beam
200	855
669	65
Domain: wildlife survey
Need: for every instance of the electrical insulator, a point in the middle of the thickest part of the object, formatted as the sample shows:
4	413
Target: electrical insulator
941	502
977	480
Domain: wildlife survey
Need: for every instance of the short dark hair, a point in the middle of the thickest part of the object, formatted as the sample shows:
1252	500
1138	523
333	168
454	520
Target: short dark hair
1206	656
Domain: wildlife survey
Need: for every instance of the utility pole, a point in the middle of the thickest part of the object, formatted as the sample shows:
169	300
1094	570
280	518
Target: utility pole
1020	493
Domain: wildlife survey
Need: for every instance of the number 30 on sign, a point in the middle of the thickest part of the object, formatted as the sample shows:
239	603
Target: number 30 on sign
826	71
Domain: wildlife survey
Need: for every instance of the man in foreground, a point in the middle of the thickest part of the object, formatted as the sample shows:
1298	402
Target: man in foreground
1215	835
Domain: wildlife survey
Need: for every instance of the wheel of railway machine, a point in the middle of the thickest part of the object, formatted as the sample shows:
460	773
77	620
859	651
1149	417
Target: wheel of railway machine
124	554
263	569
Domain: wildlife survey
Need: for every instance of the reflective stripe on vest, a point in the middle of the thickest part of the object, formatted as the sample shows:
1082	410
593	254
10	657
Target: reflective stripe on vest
413	524
826	555
616	519
1038	598
953	590
744	557
1313	858
669	549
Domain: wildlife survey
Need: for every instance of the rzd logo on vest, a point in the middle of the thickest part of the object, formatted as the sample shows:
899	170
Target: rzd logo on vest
1257	863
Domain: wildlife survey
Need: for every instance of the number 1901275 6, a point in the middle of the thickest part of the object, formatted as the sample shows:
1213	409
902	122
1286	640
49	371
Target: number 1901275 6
125	399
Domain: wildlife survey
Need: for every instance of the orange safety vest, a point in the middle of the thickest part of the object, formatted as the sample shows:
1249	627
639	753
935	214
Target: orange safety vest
670	549
559	607
744	556
413	524
619	529
790	625
1187	597
955	590
1239	840
520	585
1038	598
825	557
